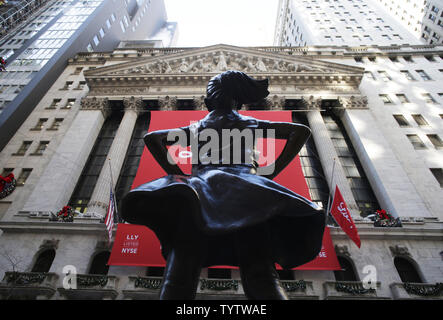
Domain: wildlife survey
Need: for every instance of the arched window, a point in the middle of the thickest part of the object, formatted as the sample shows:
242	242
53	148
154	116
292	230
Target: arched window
44	261
347	272
406	270
99	263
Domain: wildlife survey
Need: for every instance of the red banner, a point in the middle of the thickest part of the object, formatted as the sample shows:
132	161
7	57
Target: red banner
147	244
341	214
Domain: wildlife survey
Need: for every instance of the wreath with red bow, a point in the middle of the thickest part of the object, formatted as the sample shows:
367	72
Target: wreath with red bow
7	185
66	214
385	219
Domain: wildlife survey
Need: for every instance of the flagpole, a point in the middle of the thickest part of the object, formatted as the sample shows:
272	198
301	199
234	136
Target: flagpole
112	187
330	192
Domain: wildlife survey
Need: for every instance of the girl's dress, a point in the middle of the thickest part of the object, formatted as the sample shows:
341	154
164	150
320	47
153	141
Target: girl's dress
220	200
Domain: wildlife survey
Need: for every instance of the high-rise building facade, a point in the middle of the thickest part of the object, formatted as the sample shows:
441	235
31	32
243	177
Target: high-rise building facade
338	22
36	50
424	18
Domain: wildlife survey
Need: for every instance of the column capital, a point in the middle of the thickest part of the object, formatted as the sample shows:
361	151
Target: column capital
311	102
167	103
134	104
276	102
199	102
94	103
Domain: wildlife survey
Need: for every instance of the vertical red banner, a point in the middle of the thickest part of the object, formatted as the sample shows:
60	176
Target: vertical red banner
148	247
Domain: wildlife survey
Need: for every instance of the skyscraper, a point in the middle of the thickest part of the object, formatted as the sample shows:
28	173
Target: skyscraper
37	49
338	22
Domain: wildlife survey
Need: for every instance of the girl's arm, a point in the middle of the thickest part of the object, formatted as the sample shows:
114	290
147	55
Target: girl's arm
296	135
157	141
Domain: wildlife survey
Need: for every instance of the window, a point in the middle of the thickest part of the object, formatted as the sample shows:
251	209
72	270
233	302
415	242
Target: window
23	148
385	98
99	263
77	70
122	26
372	59
89	48
44	261
428	98
358	59
438	174
101	32
40	124
69	104
108	24
81	85
68	85
91	171
384	76
401	120
406	270
40	148
430	58
416	141
408	59
112	17
423	75
56	124
436	141
407	75
370	75
402	98
393	58
96	41
24	174
347	272
419	119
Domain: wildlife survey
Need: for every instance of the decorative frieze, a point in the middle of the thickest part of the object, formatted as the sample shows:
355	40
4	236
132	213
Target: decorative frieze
94	103
354	102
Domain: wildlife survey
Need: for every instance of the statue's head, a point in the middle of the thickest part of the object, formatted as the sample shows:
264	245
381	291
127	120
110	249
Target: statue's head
231	89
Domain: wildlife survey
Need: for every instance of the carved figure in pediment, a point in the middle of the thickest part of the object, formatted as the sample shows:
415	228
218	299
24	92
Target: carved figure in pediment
164	67
147	68
260	65
304	67
246	64
292	67
197	66
184	66
279	66
222	65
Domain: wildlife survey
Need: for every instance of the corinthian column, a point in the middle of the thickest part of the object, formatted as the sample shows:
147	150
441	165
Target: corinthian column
100	197
327	154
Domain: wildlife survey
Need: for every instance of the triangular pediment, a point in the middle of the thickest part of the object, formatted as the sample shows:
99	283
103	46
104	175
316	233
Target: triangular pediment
218	58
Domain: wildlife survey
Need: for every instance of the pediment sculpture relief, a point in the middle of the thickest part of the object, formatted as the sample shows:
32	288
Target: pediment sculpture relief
219	62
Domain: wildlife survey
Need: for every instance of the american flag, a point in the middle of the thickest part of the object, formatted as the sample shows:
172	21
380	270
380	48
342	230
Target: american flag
109	221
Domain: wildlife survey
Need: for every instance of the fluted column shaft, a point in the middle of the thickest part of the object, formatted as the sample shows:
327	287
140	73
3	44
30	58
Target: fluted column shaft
116	156
327	154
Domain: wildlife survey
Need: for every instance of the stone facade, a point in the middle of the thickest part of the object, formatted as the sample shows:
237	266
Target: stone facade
318	78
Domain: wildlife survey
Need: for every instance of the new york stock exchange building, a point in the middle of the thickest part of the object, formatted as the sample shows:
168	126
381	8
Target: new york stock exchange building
85	138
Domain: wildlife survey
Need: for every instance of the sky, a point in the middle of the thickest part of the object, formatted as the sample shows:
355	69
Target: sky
233	22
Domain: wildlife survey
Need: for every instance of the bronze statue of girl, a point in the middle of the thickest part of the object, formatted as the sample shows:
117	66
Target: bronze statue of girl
224	213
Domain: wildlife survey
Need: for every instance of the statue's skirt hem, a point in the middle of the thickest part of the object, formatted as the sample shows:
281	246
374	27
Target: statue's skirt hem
221	201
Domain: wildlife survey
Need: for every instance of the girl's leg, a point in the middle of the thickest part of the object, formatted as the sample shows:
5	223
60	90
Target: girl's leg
257	270
184	264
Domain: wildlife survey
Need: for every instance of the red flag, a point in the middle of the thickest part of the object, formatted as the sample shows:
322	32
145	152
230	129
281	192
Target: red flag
341	214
